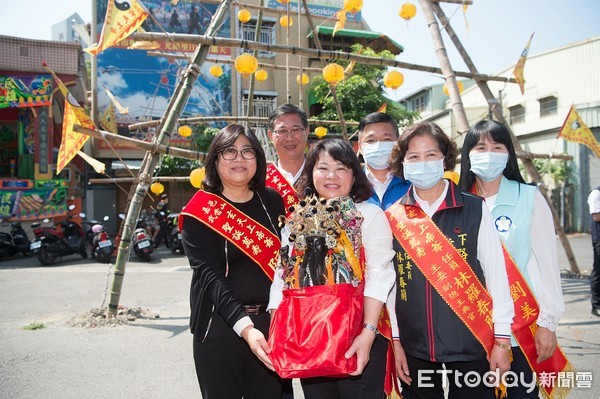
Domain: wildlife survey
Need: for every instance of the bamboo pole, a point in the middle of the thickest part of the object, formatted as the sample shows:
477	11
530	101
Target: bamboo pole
168	124
141	144
254	119
307	52
232	62
497	111
440	50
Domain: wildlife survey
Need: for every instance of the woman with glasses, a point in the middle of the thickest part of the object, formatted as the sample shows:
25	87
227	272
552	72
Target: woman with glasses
231	239
360	255
449	258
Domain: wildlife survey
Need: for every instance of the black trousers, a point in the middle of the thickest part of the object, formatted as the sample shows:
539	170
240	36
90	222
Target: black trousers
595	276
524	373
431	384
226	367
368	385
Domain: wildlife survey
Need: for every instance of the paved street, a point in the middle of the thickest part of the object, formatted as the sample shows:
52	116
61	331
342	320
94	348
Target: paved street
152	358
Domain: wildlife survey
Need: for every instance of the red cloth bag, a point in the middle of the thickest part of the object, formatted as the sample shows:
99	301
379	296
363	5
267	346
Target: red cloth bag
312	329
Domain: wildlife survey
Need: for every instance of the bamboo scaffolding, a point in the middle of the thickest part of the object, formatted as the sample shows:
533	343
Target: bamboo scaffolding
497	111
306	52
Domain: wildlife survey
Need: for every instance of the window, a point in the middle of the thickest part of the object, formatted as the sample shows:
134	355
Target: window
266	35
548	106
24	51
517	114
262	105
420	103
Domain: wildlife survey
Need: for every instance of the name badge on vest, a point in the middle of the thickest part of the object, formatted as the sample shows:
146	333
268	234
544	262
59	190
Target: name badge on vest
503	223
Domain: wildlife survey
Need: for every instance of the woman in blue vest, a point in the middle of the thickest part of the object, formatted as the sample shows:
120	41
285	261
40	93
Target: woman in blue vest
524	221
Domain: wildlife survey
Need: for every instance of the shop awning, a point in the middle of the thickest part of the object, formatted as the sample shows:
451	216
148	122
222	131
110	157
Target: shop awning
375	40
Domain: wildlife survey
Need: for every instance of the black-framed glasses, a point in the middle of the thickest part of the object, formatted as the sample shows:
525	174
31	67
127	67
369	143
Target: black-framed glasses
294	132
229	154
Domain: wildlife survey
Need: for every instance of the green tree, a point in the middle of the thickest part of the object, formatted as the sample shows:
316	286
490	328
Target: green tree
360	93
201	138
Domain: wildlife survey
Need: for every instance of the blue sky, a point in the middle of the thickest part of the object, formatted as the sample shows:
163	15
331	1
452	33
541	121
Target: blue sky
498	30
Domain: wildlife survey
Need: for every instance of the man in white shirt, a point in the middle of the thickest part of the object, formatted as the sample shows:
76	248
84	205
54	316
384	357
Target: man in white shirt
594	204
377	135
288	131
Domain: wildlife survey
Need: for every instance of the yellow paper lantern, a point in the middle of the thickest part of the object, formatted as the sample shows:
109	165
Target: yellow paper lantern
461	87
184	131
216	71
393	79
286	21
333	73
261	75
244	15
320	131
407	11
302	79
246	64
157	188
283	1
196	177
353	6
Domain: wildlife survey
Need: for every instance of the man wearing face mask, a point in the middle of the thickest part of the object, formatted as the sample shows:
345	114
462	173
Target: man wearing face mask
377	135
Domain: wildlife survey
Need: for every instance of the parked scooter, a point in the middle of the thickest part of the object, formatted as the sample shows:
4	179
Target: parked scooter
140	240
20	239
7	245
102	246
174	240
51	243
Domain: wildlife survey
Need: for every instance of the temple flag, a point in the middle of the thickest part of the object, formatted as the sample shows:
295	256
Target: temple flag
121	20
575	130
518	72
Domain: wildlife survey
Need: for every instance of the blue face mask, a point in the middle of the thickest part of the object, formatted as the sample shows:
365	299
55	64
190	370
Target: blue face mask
377	155
488	166
424	175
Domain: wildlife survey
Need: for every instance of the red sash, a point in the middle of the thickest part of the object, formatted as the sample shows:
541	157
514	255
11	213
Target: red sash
445	269
252	238
277	181
524	328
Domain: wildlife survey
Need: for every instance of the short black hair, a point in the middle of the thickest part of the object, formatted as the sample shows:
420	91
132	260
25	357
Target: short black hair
164	196
447	146
226	138
498	132
341	151
287	109
377	117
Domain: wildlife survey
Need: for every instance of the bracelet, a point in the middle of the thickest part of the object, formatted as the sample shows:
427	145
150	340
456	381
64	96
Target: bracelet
371	327
503	346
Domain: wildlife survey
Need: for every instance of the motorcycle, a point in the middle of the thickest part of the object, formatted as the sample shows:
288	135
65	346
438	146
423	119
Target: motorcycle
20	239
140	240
7	245
14	242
174	240
102	246
51	243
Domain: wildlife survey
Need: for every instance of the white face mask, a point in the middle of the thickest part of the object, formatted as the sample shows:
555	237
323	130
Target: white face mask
488	166
424	175
377	155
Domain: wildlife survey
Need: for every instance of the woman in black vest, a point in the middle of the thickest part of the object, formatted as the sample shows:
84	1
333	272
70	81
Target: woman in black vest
433	338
